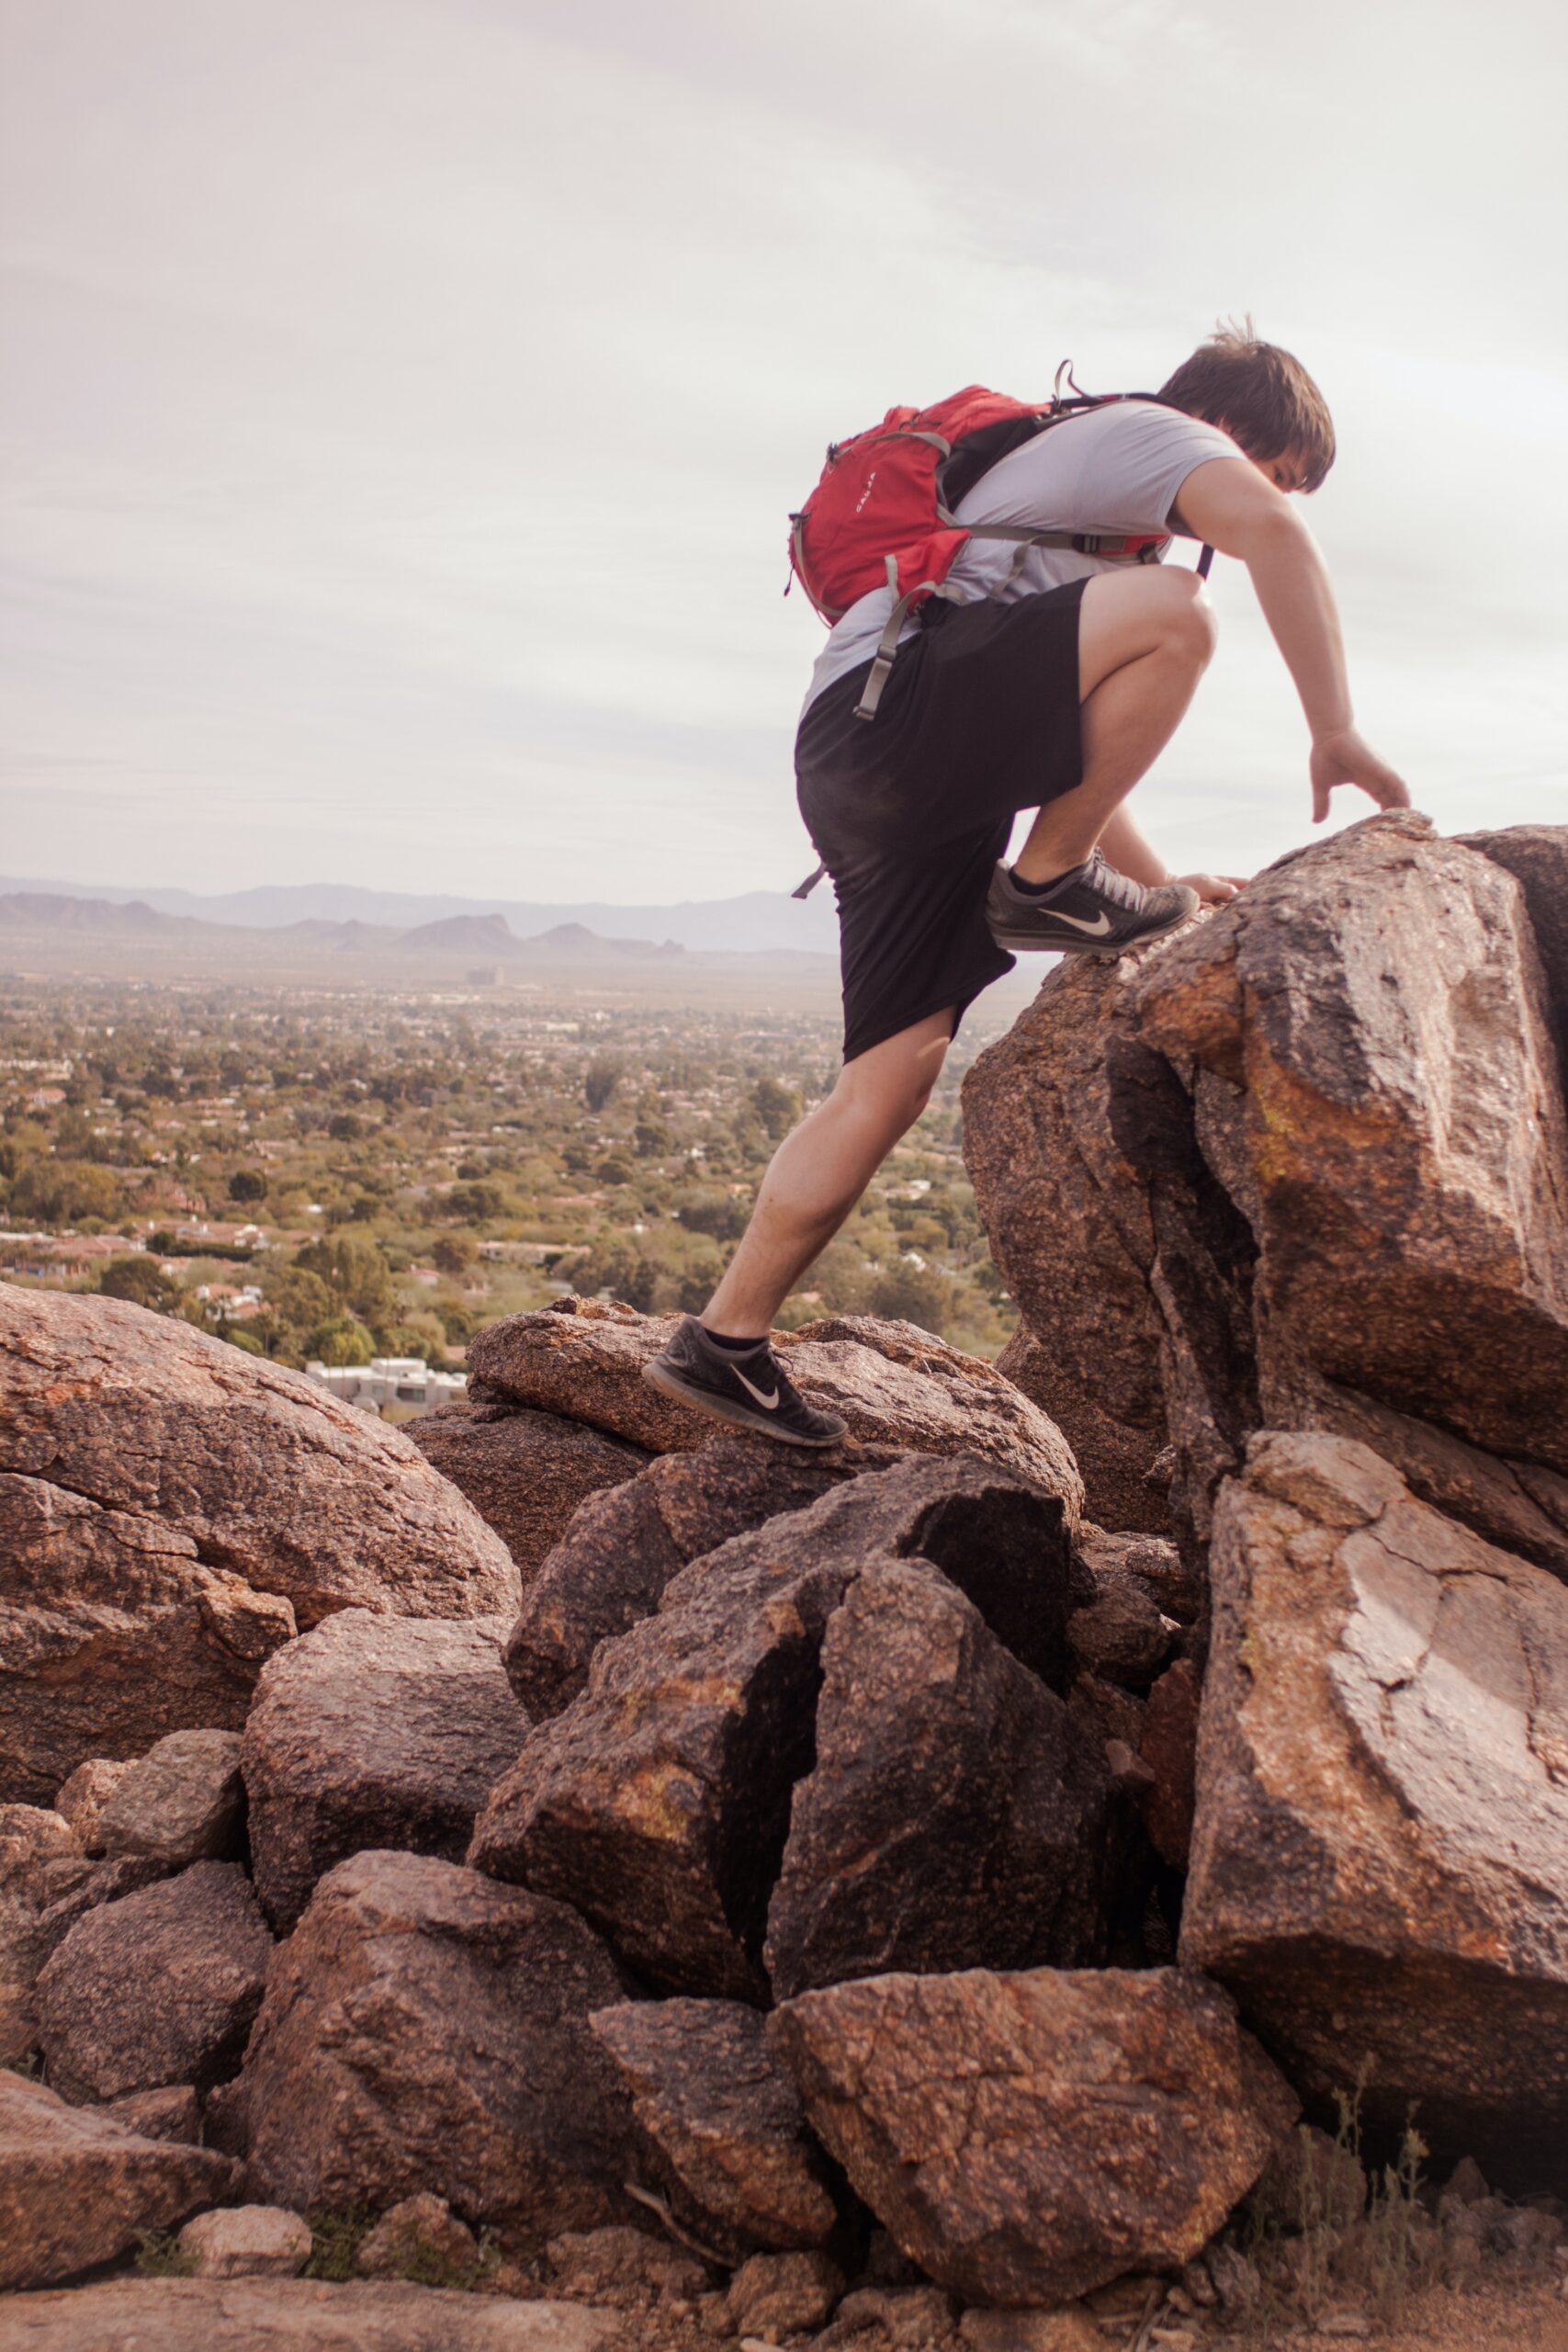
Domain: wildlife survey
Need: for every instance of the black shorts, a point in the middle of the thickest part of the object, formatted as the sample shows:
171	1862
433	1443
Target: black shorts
911	811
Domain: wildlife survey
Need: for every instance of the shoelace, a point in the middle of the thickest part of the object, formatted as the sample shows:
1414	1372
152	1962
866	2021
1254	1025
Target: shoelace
1108	883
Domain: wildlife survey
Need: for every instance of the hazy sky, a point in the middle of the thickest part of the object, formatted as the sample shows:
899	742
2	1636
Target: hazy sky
402	399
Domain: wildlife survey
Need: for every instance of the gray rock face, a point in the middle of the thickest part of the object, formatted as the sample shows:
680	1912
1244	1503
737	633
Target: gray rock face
373	1732
158	1988
1026	2138
892	1385
171	1511
427	2030
953	1817
610	1568
657	1804
182	1801
1380	1868
524	1473
77	2188
300	2315
723	2137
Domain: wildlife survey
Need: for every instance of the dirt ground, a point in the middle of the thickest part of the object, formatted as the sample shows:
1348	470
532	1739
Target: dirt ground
1531	2319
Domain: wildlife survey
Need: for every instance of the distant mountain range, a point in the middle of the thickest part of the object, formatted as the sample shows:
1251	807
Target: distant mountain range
476	938
760	922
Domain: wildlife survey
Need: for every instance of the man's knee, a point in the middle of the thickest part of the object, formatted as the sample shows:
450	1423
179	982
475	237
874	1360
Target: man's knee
1189	619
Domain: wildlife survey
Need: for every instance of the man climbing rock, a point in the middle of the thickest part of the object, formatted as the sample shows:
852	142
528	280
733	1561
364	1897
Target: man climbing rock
1045	669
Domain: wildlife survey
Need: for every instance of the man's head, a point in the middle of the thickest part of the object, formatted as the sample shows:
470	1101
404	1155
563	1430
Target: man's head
1262	397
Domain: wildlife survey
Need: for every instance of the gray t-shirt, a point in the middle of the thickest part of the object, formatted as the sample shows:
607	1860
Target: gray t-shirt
1117	470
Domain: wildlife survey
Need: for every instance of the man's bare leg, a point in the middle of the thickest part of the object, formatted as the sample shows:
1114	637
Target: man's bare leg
1145	639
819	1171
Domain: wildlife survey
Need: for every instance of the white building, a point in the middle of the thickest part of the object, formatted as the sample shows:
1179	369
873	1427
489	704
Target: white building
407	1381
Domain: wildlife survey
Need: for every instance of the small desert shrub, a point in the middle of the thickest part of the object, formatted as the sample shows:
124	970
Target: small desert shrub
159	2255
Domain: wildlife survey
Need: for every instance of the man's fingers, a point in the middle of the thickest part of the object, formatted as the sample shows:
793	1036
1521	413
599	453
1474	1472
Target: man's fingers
1319	802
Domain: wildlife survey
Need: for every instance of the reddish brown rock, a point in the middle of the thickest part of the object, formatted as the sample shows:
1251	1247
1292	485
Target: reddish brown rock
892	1385
421	2237
785	2293
1168	1748
427	2030
1120	1630
82	1797
1379	1867
174	2113
658	1804
723	2134
373	1732
182	1801
1367	1035
77	2189
171	1511
30	1836
524	1473
1537	857
611	1568
1125	1467
160	1987
300	2315
954	1817
246	2242
1026	2138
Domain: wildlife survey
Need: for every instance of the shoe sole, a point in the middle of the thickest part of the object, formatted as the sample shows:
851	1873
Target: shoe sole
721	1408
1030	942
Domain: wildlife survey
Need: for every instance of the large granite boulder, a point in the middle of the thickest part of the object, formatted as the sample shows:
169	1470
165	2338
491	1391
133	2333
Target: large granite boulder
1537	857
891	1384
1367	1036
424	2028
723	2134
158	1988
1027	2138
300	2315
524	1473
1379	1865
171	1511
77	2189
1302	1166
610	1568
955	1814
182	1801
659	1803
373	1732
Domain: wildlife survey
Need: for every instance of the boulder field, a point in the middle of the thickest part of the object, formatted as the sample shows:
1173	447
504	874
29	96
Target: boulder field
690	1884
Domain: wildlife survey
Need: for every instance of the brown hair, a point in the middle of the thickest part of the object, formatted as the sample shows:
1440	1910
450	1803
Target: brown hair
1262	397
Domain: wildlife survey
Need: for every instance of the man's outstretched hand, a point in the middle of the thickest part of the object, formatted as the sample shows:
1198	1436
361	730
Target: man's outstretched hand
1343	758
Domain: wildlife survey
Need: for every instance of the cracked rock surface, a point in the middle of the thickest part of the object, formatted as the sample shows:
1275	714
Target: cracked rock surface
172	1511
1380	1866
1026	2138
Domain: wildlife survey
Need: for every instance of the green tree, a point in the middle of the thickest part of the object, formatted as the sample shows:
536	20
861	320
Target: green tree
476	1204
906	1292
599	1080
455	1253
248	1184
342	1339
778	1106
356	1273
142	1281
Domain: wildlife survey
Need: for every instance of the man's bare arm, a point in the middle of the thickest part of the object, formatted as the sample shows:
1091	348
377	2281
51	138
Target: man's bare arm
1231	504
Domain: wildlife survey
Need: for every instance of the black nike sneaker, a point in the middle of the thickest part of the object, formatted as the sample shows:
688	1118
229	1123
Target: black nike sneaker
750	1389
1091	911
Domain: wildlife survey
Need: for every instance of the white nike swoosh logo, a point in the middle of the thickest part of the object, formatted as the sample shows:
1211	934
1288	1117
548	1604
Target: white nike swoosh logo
767	1403
1096	929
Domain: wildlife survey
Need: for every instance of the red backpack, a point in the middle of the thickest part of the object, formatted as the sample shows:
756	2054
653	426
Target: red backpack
883	514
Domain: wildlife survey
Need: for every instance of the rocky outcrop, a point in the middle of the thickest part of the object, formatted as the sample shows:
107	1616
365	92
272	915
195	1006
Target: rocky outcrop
610	1568
1380	1868
373	1732
1125	1467
953	1815
658	1803
158	1988
427	2030
172	1511
300	2315
891	1384
1026	2138
723	2132
524	1473
1276	1167
77	2189
182	1801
